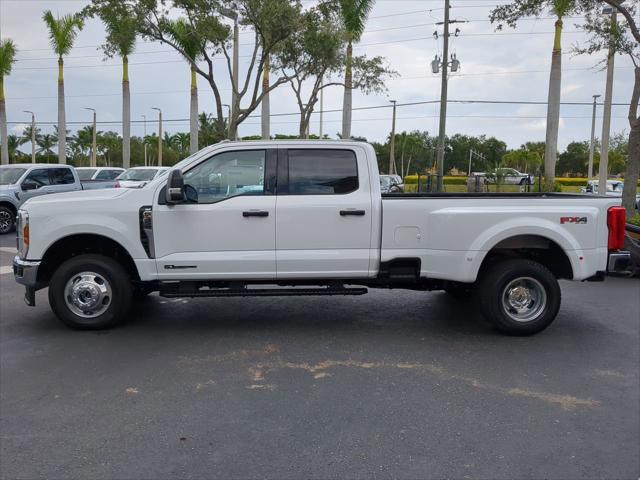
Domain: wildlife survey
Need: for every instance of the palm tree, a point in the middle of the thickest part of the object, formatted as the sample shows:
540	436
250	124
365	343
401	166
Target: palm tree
560	9
354	17
13	142
121	26
186	37
46	144
7	58
26	135
62	33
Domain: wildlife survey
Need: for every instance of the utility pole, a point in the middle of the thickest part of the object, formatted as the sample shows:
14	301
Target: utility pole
94	146
392	141
593	133
159	135
33	135
435	66
606	116
144	139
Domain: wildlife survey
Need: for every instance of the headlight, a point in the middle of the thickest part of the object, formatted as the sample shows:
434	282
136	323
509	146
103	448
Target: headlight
22	229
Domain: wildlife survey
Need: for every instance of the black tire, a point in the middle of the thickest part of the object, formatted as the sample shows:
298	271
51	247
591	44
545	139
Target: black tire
113	275
525	181
459	291
7	220
494	303
140	292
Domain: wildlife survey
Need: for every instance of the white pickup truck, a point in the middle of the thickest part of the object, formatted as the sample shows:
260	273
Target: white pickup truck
308	218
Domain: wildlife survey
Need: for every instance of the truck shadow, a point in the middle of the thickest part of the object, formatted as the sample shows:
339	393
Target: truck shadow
429	313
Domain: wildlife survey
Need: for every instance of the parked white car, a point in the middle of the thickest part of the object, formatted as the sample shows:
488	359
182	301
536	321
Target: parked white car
307	218
508	176
138	177
98	173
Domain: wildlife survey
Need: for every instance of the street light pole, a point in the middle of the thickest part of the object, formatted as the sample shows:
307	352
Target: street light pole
233	15
33	135
228	116
593	133
94	146
392	141
606	116
321	106
159	135
144	139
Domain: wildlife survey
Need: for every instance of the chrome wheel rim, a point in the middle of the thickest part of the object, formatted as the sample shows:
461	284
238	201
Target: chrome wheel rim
5	221
88	294
524	299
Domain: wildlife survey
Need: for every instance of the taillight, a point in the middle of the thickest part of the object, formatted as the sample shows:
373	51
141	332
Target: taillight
616	218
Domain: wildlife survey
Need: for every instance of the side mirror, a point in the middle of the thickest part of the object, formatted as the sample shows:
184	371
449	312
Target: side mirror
29	185
175	187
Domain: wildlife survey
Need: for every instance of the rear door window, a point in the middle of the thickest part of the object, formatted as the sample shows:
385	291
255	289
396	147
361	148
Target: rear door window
61	176
322	172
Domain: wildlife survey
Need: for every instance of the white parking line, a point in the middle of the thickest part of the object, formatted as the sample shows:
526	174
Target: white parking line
7	249
4	270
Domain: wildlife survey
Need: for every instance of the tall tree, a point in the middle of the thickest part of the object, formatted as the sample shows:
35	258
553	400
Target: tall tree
62	33
7	58
316	51
27	135
121	27
510	14
187	38
354	18
271	20
622	37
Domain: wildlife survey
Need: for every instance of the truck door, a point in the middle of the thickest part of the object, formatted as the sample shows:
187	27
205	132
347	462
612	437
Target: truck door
37	182
226	229
323	213
62	180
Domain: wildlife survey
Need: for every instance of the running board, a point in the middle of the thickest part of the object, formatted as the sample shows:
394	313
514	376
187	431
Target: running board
176	292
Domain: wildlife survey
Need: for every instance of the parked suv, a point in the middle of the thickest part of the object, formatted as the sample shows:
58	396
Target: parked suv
22	181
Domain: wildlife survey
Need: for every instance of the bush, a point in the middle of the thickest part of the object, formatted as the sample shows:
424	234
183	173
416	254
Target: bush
635	220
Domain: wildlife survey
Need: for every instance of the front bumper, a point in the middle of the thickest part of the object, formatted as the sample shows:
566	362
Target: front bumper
619	262
26	273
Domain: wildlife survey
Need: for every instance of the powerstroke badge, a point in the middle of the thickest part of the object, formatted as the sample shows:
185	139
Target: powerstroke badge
575	220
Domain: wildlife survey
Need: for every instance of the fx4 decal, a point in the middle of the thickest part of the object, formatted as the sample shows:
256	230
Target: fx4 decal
576	220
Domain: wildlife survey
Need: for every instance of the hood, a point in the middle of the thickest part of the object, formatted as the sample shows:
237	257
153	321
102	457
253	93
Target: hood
78	197
7	188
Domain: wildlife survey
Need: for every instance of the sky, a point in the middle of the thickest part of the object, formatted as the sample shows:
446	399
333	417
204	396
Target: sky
511	65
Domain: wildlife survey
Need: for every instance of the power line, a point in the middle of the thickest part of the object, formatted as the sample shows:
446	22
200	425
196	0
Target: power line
375	107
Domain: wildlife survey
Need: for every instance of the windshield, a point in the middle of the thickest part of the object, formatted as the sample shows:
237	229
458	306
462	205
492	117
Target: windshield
139	174
9	175
85	173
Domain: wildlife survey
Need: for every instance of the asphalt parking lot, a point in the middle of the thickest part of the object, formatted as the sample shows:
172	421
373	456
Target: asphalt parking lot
392	384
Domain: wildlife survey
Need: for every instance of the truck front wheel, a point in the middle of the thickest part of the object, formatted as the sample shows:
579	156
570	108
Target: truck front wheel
7	220
90	292
519	296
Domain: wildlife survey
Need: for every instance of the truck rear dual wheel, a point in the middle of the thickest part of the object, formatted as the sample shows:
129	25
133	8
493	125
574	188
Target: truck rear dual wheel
519	296
90	292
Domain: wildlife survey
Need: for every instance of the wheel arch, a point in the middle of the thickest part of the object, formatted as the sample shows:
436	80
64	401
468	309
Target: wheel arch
84	243
538	248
